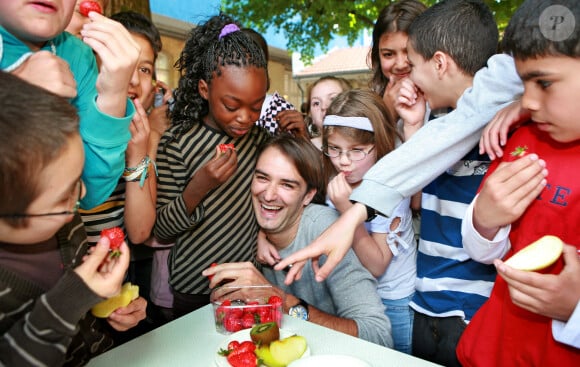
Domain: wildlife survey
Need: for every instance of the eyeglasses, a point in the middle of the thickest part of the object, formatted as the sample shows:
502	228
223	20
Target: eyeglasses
353	154
76	194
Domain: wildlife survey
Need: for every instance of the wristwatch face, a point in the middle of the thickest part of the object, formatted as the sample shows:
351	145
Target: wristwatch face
299	312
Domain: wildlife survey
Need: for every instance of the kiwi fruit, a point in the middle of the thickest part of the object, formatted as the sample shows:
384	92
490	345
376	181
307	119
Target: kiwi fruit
264	334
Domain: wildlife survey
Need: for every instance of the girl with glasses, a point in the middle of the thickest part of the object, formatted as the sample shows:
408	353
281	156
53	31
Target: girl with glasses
356	133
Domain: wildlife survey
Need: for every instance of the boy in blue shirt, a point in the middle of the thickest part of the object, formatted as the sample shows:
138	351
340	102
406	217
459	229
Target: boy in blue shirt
35	47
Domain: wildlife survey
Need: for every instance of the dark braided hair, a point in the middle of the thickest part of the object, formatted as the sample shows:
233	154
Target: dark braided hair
203	55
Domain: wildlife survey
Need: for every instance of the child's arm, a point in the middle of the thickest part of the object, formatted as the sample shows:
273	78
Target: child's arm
495	134
118	53
50	72
176	212
371	250
53	319
140	200
550	295
267	253
411	107
292	121
505	194
407	169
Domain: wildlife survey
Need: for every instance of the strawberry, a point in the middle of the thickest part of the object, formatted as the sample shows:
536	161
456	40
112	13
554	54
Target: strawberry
232	322
211	266
519	152
276	301
224	147
116	238
248	320
86	7
246	359
234	344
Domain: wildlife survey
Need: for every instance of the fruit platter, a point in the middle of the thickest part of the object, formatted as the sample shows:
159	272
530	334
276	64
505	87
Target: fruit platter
264	345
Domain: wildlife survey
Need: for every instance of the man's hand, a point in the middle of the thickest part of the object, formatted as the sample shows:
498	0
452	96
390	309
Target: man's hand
507	192
334	242
50	72
553	296
235	274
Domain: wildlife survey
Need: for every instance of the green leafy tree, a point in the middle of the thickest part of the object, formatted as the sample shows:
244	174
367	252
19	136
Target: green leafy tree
307	24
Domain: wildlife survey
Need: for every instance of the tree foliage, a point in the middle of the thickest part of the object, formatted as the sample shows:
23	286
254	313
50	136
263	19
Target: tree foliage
307	24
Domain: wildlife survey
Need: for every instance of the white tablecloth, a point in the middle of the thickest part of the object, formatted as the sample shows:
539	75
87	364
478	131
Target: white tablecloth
193	341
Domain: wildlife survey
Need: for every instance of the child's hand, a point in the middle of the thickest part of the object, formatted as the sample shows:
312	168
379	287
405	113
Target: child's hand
267	253
411	107
139	128
550	295
391	94
339	191
292	121
507	193
334	242
217	171
494	135
118	53
50	72
104	275
127	317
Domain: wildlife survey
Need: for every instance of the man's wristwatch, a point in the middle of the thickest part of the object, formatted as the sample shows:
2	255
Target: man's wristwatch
300	311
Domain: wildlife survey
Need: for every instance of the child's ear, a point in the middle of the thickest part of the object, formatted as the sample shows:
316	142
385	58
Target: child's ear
203	89
441	63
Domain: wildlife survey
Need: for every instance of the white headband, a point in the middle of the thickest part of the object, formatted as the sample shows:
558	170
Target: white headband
361	123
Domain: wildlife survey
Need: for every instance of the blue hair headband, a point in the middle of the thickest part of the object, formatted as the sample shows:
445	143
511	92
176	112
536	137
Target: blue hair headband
227	29
356	122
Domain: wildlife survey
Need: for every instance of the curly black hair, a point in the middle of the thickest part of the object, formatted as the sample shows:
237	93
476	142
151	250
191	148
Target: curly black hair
202	57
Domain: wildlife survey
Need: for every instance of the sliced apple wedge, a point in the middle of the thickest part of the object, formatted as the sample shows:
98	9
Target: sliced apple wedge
129	292
287	350
537	255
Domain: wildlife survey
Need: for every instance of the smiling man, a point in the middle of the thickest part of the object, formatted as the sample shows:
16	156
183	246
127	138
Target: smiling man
287	189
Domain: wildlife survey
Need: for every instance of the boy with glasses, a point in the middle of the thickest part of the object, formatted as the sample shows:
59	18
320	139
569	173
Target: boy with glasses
48	280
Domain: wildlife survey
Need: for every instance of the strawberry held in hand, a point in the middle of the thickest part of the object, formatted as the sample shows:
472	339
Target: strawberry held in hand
116	238
224	147
86	7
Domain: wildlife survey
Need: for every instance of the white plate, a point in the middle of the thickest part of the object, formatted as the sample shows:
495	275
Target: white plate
333	360
244	335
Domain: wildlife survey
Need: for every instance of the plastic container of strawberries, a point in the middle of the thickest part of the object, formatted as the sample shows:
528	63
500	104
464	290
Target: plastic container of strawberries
240	307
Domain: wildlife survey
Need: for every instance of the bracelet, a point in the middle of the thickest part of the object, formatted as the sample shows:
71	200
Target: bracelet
140	172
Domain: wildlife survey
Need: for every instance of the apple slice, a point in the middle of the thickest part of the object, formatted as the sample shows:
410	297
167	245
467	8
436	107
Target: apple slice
263	353
287	350
537	255
128	293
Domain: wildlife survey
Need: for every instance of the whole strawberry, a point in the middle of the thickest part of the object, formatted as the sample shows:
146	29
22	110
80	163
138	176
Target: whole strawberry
86	7
116	238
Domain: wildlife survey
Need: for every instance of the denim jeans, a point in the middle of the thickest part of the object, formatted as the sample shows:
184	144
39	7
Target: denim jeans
435	338
401	316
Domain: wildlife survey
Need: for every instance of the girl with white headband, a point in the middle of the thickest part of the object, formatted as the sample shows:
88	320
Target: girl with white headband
356	133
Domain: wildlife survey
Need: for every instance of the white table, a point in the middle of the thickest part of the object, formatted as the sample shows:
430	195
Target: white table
193	341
